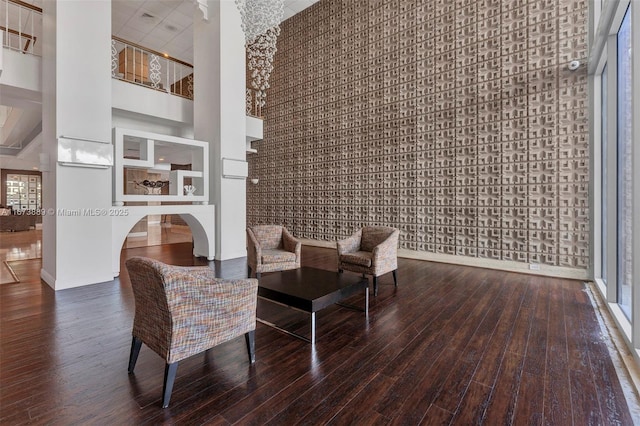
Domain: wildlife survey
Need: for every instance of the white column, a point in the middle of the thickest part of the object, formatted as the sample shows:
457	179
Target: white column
219	116
76	101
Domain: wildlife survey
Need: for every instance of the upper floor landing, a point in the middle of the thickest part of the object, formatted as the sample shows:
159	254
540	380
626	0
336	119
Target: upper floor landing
145	82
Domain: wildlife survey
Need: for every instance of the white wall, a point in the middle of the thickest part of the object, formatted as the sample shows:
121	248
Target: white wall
80	100
255	128
21	71
220	116
131	120
11	162
77	104
142	100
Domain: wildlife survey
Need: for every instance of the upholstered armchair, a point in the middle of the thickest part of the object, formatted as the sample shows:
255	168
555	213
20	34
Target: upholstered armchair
182	311
373	250
271	248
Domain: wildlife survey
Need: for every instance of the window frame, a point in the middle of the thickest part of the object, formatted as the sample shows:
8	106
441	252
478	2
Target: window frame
605	23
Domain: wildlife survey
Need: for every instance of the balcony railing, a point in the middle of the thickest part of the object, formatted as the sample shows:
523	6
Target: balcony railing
21	26
145	67
253	105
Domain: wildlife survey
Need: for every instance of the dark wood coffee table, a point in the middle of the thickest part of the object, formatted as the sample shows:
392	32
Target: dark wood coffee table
310	290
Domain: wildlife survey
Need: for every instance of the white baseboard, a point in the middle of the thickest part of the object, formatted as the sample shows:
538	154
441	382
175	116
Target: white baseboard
48	278
501	265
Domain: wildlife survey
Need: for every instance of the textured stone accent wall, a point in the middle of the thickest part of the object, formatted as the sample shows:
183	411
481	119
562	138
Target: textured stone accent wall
456	121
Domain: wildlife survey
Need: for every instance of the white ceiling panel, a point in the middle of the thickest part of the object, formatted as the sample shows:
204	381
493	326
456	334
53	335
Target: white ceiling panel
118	20
288	13
183	41
127	6
128	23
187	8
159	8
170	27
179	19
131	34
299	5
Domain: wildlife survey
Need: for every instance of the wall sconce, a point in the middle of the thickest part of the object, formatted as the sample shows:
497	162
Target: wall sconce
255	181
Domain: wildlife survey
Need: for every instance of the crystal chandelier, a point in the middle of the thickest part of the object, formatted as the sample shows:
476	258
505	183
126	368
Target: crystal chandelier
261	26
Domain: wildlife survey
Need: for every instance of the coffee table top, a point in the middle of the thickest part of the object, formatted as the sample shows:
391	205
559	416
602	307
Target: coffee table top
309	289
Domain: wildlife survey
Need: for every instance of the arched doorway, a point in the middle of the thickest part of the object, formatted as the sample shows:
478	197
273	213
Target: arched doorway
199	219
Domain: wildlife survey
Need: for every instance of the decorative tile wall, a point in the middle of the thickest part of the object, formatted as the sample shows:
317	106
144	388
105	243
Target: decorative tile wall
457	122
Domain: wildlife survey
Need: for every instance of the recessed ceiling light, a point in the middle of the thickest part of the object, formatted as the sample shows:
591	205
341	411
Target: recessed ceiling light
171	27
147	16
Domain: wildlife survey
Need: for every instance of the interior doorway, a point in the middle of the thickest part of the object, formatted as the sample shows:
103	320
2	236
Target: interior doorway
155	230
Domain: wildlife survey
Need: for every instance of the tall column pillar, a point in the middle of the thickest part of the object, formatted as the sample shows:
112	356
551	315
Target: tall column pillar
76	103
220	117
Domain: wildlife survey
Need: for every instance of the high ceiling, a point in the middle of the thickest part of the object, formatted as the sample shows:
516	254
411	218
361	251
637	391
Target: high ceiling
162	25
167	25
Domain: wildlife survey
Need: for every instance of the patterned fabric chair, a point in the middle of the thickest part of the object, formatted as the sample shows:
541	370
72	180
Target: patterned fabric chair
182	311
373	250
271	248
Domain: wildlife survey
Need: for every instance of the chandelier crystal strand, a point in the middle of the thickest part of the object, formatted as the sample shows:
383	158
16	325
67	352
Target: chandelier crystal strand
261	26
261	53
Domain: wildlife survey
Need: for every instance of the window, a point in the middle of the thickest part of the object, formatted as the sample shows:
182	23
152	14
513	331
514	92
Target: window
615	76
624	169
23	191
603	195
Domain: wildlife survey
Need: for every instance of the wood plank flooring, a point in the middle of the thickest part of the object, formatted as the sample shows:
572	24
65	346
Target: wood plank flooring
451	345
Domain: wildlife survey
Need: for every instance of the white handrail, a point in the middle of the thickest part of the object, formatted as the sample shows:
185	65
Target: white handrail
144	67
253	106
18	18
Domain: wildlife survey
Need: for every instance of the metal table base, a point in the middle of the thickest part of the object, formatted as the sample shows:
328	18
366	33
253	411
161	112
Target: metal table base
313	317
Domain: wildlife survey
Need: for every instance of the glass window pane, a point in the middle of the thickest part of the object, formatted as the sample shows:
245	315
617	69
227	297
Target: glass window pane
603	200
624	172
23	192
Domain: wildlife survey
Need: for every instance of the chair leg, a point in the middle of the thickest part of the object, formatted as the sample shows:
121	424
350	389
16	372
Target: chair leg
375	285
395	277
250	339
169	377
135	351
340	271
248	271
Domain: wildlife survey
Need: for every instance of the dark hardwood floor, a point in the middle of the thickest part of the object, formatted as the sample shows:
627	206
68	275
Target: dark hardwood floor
451	345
